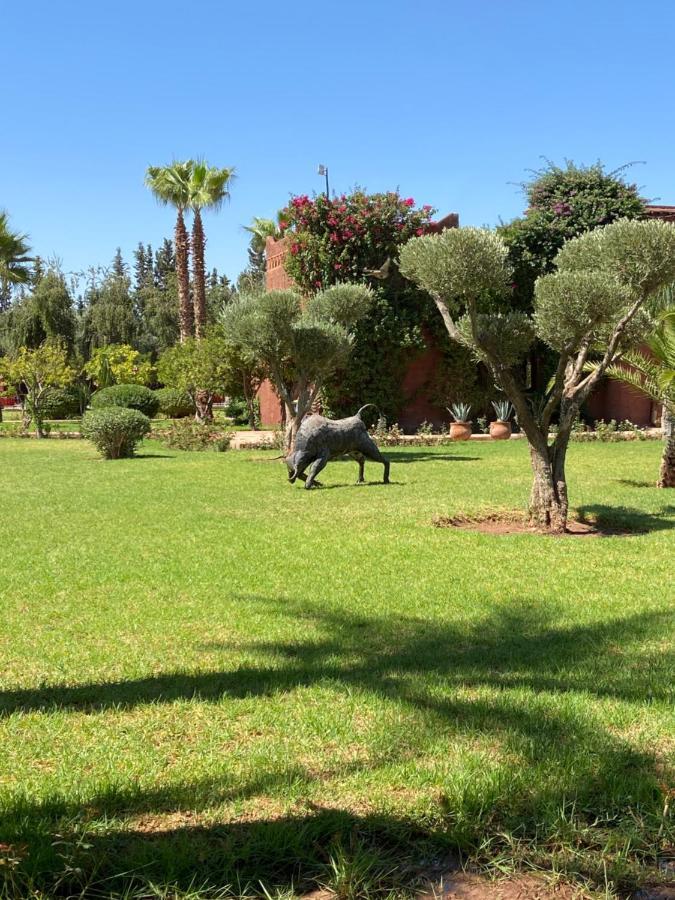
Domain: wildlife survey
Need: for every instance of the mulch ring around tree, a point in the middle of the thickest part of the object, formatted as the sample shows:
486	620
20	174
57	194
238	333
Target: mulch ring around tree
513	522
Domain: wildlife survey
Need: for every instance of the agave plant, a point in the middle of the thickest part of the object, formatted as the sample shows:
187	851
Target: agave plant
503	409
460	412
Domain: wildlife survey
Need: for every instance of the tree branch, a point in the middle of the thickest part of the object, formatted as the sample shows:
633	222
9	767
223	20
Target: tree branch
453	330
612	353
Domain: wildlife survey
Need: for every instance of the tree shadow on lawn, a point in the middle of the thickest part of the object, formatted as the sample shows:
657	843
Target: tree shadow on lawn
553	756
514	646
626	519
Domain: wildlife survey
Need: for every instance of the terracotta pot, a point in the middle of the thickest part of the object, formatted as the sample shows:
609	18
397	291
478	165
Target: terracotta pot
500	431
460	431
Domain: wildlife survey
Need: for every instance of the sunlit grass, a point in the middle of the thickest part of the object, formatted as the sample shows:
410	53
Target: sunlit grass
210	677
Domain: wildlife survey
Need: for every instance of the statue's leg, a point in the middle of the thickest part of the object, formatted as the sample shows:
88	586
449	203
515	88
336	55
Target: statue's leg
362	465
300	461
318	464
369	449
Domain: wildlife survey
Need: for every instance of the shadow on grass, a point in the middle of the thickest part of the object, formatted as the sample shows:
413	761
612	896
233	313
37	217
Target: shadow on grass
491	681
516	646
632	482
626	519
408	456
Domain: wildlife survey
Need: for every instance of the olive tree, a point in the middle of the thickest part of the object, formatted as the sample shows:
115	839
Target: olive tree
300	342
596	297
37	372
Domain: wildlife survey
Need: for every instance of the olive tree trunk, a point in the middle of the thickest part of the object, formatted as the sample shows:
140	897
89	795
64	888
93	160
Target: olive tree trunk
667	471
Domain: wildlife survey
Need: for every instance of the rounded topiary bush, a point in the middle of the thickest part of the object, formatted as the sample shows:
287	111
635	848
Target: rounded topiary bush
174	404
127	396
115	431
61	403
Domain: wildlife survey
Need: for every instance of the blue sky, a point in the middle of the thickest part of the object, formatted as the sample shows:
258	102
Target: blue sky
451	101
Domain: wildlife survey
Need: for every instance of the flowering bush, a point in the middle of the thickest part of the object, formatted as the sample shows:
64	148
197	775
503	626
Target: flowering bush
337	239
352	238
563	202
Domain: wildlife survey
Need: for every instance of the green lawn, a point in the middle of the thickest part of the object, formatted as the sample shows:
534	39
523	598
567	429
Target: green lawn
213	679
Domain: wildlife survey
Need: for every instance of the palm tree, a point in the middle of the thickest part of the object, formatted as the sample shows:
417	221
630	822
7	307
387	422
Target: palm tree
654	375
15	263
208	188
171	186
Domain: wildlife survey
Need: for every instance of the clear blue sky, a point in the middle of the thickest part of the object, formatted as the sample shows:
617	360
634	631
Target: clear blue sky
450	100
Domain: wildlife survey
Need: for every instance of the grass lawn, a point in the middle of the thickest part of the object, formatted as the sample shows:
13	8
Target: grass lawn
11	420
212	679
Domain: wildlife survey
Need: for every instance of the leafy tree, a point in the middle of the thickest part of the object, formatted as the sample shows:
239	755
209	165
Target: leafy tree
118	364
109	317
208	188
653	374
165	264
563	202
299	347
46	314
603	280
143	267
170	186
158	315
198	368
37	371
15	262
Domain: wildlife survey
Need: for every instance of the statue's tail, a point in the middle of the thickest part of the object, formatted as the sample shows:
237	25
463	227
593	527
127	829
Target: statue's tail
366	407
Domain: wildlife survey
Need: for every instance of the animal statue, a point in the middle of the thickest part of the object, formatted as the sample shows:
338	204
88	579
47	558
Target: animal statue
319	440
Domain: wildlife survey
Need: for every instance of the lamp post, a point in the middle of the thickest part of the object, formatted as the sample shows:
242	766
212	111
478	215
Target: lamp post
323	170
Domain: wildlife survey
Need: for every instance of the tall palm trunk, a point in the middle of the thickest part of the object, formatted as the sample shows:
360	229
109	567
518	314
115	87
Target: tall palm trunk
198	274
667	472
185	312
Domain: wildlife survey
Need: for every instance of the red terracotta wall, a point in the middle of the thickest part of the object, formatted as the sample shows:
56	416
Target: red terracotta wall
275	279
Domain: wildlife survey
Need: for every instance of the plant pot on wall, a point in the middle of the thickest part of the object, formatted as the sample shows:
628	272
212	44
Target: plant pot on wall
500	431
460	431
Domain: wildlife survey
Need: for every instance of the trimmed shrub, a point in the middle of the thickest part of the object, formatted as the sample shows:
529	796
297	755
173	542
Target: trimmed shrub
127	396
61	403
174	404
191	435
115	431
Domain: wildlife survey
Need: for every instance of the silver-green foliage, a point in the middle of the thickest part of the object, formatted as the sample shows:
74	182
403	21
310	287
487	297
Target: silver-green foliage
457	265
299	342
114	430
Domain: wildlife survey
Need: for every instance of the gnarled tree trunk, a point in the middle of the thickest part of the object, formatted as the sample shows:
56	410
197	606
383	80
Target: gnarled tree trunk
549	504
204	406
667	471
198	274
182	249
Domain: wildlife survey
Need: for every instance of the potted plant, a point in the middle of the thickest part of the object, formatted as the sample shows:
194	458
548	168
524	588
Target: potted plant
501	429
460	429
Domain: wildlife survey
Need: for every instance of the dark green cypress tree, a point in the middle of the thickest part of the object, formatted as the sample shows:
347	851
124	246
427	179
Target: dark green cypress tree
119	267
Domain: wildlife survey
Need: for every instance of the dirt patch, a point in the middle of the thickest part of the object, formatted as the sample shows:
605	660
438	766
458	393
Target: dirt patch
515	523
467	886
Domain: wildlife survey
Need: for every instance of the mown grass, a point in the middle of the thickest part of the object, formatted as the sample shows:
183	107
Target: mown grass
12	419
212	681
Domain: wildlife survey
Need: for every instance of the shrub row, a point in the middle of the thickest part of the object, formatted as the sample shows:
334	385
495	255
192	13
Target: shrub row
169	402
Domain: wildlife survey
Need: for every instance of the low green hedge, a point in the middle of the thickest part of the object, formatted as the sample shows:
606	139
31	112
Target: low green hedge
174	404
127	396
